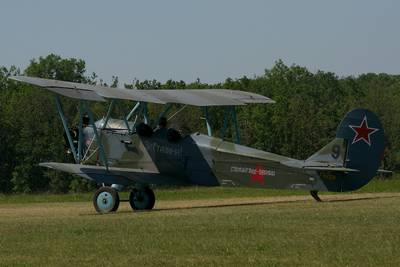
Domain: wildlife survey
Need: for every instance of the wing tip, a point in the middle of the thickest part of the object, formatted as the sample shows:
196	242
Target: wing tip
16	78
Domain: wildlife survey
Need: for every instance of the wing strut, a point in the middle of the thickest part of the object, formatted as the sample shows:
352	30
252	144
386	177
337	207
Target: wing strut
80	131
132	111
96	134
140	109
230	113
110	108
207	117
78	151
162	114
145	112
66	129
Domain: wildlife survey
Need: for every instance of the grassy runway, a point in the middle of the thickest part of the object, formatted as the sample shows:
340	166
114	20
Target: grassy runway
359	229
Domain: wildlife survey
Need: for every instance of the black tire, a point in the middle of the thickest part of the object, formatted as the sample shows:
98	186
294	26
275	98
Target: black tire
142	199
116	206
106	199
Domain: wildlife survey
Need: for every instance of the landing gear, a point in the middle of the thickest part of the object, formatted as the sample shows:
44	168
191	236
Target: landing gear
106	199
314	194
142	199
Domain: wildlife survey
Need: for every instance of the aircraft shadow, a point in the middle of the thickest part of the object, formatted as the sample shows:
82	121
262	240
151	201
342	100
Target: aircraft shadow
224	205
358	199
270	203
228	205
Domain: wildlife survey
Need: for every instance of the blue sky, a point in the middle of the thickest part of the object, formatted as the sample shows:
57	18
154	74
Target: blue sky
212	40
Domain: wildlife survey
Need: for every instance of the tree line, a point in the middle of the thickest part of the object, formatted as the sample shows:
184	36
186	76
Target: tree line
308	109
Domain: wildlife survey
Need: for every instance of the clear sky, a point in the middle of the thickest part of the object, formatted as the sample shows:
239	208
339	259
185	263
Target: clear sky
209	39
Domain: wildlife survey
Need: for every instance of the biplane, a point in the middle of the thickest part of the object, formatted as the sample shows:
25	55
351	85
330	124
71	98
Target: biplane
120	153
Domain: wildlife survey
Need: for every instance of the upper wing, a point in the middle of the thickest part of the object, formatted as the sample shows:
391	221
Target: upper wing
123	176
195	97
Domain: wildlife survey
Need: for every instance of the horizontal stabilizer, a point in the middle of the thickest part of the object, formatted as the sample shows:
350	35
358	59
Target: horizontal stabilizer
327	168
317	166
381	171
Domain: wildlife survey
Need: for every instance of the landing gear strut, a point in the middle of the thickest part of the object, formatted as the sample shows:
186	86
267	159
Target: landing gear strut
106	199
142	199
314	194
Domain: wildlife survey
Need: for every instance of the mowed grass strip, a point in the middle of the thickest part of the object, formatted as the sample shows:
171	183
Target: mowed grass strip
189	193
346	230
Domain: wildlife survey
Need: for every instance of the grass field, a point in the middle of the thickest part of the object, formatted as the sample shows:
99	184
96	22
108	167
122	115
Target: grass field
185	193
215	226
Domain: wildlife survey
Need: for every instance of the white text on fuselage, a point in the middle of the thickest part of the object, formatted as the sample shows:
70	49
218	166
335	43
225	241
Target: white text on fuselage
254	171
176	152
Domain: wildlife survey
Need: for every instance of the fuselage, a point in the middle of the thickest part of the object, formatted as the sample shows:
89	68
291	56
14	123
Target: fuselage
199	159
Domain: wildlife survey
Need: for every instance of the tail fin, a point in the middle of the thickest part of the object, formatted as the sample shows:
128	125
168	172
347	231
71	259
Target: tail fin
355	152
333	154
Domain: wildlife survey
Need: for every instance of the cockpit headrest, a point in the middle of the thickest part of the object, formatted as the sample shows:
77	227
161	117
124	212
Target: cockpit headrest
144	129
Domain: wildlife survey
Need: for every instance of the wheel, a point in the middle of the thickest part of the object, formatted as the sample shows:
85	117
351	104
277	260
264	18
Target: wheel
142	199
106	199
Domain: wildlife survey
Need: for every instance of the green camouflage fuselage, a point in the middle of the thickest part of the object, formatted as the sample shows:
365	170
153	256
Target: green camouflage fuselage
198	159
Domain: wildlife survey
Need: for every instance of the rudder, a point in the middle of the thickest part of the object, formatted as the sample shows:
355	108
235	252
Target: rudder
364	135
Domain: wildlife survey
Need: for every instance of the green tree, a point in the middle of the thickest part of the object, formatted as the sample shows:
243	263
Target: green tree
37	127
308	108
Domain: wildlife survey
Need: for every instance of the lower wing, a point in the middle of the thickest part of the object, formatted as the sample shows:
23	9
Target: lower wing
122	176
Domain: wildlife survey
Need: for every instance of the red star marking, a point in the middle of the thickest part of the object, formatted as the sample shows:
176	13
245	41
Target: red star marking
257	177
363	132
